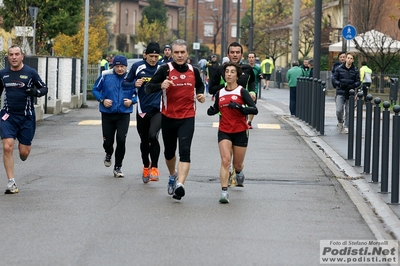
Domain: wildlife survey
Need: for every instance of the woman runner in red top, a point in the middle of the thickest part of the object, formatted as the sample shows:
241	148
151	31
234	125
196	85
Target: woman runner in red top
234	103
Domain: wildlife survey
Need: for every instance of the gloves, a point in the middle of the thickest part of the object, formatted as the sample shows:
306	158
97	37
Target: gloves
347	94
211	111
233	105
32	92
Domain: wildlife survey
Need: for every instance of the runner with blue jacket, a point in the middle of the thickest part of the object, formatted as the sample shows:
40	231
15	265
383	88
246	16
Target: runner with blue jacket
115	104
148	116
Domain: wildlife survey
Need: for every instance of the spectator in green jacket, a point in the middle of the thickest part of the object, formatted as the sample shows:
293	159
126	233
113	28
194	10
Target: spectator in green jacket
291	77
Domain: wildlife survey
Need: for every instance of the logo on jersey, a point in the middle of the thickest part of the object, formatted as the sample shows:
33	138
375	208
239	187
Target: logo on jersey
174	77
234	97
182	76
147	79
23	76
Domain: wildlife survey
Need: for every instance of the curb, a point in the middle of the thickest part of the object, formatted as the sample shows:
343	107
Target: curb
370	205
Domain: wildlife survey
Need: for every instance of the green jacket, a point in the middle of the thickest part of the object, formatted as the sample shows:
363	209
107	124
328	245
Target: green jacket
293	74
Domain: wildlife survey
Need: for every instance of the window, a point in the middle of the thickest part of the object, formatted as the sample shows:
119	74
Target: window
233	30
126	17
208	29
209	4
235	1
134	21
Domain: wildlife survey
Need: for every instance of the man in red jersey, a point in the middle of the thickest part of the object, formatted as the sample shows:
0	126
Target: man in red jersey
181	85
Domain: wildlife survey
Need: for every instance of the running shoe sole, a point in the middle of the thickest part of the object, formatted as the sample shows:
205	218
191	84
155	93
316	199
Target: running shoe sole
179	193
224	199
11	190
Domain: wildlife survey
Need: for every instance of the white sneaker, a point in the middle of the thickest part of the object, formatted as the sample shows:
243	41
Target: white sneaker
346	130
340	127
224	197
11	188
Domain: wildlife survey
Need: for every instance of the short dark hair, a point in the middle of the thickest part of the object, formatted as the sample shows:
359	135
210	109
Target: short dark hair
340	53
254	53
236	65
236	44
363	63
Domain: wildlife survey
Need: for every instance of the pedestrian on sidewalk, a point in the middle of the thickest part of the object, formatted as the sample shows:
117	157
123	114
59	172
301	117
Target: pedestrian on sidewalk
116	105
345	78
291	76
148	112
365	77
181	85
251	57
267	66
20	84
341	60
234	103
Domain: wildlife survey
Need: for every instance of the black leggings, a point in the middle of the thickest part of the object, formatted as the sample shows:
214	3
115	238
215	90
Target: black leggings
148	128
181	129
111	124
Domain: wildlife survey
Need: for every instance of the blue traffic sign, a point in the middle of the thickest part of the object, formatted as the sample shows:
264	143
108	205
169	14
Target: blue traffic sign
349	32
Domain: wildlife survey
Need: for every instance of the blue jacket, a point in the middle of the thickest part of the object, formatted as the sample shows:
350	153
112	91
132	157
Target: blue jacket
146	102
109	86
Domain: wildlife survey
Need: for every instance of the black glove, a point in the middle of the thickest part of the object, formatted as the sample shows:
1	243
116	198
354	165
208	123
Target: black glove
211	111
344	86
347	94
233	105
32	92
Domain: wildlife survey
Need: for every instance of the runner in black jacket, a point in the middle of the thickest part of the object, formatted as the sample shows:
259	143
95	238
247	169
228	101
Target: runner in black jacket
247	79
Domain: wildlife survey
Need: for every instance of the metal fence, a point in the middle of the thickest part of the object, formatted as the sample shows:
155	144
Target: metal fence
92	75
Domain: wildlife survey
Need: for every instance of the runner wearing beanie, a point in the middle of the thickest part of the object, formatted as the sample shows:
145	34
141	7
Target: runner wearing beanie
167	54
148	113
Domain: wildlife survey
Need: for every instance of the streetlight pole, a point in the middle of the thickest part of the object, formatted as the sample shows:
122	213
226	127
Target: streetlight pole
196	52
223	33
85	53
33	11
238	22
186	4
251	26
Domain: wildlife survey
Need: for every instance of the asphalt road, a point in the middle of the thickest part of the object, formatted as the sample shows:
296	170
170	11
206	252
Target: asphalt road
71	210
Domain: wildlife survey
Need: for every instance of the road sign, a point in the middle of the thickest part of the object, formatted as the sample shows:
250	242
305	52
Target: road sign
196	46
349	32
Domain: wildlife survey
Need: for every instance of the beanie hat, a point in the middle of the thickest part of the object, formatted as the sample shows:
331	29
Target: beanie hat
167	46
120	60
153	48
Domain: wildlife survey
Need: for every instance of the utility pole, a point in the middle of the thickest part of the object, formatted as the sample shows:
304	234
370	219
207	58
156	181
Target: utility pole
223	32
345	22
196	51
317	39
251	26
238	22
295	30
85	53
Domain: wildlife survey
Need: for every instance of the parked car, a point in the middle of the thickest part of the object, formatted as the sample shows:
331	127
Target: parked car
131	61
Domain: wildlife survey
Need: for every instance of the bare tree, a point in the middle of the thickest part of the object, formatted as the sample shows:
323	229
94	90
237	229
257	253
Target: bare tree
306	36
379	48
366	14
216	17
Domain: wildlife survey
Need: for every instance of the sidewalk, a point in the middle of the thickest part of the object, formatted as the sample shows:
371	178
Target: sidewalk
332	147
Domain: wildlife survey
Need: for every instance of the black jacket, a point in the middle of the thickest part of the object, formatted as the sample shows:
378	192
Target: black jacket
247	80
344	79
